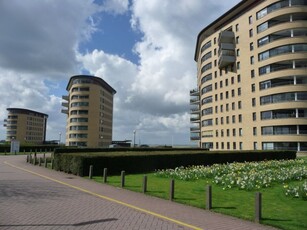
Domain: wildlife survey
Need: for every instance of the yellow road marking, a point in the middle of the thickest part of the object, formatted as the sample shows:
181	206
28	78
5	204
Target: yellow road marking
107	198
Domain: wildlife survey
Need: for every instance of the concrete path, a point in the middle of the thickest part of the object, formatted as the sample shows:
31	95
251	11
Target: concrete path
33	197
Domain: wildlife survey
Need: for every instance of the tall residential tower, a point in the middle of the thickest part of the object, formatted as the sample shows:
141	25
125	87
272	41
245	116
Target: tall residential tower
252	78
26	126
89	109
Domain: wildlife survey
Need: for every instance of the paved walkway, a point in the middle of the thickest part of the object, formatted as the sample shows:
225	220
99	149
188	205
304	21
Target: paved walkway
33	197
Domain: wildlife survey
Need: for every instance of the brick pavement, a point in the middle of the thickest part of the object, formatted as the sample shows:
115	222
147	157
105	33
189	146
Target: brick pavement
33	197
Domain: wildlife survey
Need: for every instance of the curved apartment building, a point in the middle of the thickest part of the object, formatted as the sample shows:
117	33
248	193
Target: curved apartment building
252	78
26	126
89	109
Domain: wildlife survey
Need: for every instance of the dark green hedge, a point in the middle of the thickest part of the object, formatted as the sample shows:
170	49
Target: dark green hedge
79	163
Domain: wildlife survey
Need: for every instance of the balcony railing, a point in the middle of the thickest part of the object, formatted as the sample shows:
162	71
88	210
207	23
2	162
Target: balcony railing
194	92
194	100
65	104
194	138
64	111
193	119
195	129
65	97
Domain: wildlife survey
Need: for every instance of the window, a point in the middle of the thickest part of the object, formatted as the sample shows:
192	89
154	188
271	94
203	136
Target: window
216	97
234	145
221	108
240	118
228	145
237	40
222	121
207	111
239	105
215	62
227	94
221	84
232	80
233	106
233	119
254	116
221	96
252	60
215	85
238	65
255	131
216	145
250	19
207	100
227	107
214	40
239	91
214	51
233	132
238	52
226	82
252	73
237	27
241	145
251	46
255	145
227	133
206	46
239	78
227	120
232	92
215	74
253	88
251	33
216	109
240	132
253	102
216	121
206	57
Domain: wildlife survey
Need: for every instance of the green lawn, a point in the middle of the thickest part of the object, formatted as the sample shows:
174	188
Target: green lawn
278	210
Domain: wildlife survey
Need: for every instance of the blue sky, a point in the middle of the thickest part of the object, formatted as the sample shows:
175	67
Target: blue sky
143	49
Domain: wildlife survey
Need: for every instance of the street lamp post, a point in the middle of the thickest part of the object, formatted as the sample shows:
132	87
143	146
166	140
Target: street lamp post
60	137
134	131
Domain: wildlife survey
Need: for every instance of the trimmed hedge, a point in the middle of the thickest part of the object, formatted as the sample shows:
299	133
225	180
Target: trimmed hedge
142	162
34	148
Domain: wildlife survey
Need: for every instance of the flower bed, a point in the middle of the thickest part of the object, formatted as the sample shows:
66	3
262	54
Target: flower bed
246	176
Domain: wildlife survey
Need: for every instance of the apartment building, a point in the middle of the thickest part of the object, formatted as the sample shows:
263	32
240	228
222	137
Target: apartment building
252	78
26	126
89	109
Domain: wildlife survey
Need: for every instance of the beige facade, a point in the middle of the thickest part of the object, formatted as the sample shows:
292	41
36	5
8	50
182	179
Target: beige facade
89	109
252	78
26	126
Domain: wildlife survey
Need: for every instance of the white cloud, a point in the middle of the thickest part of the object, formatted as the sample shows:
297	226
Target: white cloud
39	48
155	96
116	6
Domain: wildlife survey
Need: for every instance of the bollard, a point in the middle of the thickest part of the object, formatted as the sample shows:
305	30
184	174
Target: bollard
39	161
30	159
172	189
209	197
90	174
105	174
258	206
45	162
27	158
52	163
123	179
44	155
34	160
144	184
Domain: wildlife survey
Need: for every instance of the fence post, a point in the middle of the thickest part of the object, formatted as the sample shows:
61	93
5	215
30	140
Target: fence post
258	206
144	184
90	174
105	175
123	179
172	189
209	197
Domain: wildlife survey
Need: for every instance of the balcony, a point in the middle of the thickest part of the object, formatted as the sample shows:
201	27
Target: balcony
194	100
195	138
65	104
226	36
64	111
195	111
194	92
65	97
195	119
226	49
194	129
